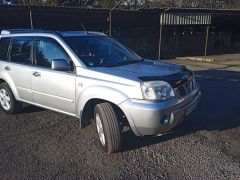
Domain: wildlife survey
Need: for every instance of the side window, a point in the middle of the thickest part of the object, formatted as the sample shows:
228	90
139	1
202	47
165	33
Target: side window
4	45
48	50
21	50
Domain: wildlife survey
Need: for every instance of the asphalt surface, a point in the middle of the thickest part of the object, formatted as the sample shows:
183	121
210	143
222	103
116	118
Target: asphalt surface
40	144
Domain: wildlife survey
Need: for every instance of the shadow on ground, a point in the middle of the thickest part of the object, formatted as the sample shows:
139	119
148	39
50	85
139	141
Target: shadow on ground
218	110
30	109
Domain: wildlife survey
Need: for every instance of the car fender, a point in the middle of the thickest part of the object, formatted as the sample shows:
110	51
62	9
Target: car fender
104	93
99	92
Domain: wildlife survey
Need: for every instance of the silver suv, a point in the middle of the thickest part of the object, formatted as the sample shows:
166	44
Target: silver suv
89	75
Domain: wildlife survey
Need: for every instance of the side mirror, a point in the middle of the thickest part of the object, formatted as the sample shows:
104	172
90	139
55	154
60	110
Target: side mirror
61	65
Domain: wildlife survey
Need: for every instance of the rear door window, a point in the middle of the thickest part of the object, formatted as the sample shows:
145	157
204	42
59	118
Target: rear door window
21	50
4	46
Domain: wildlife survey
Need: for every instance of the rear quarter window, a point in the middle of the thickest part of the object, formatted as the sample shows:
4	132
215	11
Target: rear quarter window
4	46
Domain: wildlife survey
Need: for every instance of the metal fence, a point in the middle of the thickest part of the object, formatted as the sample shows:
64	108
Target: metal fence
152	33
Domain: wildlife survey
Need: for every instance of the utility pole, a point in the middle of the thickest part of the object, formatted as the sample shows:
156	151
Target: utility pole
110	17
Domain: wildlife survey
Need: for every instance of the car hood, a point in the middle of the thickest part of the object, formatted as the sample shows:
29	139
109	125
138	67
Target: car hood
148	70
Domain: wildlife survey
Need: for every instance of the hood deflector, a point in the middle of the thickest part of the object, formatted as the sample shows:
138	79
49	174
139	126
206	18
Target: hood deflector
174	80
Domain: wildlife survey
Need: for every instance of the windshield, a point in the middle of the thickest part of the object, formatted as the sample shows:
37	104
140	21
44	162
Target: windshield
100	51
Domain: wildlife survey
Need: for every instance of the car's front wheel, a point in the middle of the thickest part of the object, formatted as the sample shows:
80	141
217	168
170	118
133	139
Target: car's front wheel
107	127
8	102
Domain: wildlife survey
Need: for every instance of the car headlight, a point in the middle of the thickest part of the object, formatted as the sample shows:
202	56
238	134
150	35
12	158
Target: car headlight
157	90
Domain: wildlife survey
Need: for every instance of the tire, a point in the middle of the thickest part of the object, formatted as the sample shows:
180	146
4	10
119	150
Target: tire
8	102
108	128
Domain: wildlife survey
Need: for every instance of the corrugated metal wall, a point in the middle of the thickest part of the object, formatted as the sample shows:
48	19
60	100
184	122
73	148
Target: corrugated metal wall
183	32
185	19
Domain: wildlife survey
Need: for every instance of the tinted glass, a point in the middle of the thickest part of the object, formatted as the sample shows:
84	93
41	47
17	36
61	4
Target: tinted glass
48	50
4	44
21	50
101	51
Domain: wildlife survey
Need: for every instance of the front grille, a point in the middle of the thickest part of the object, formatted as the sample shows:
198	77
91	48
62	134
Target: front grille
186	88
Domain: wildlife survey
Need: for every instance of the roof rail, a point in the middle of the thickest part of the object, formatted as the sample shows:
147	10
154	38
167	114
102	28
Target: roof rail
15	31
4	32
59	33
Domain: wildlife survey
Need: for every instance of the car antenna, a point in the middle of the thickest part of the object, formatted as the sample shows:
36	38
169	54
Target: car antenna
84	28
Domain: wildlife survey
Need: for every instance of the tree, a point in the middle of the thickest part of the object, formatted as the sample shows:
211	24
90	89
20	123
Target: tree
130	4
194	3
52	2
107	3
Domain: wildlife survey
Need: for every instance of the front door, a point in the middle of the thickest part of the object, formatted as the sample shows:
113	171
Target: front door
50	88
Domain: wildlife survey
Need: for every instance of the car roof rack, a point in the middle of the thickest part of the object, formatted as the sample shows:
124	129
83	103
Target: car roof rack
16	31
60	33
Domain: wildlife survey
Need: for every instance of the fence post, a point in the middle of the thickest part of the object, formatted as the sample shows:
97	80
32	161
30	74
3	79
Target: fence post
160	37
110	17
30	16
206	43
110	23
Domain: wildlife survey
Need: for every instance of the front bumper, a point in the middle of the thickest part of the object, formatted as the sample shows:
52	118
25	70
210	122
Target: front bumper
146	118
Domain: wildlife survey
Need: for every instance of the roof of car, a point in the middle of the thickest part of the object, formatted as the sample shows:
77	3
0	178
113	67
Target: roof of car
81	33
61	33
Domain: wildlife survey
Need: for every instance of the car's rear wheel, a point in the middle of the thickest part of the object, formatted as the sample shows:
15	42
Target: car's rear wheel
107	127
8	102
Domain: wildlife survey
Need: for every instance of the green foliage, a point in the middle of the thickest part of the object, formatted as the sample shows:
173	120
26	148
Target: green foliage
130	4
194	3
107	3
52	2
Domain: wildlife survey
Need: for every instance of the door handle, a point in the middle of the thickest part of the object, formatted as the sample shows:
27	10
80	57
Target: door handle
37	74
7	68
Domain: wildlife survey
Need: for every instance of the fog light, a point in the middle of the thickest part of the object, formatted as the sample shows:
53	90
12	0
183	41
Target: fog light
165	120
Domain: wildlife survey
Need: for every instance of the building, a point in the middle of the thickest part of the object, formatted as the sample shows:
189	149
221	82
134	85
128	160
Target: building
151	32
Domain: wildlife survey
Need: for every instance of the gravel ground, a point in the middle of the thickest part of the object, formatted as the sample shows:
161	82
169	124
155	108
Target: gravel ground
40	144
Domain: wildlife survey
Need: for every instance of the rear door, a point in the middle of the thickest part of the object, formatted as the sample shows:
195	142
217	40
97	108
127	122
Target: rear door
19	66
53	89
4	51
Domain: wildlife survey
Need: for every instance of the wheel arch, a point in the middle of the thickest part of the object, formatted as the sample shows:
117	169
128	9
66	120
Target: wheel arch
2	81
87	113
11	85
101	93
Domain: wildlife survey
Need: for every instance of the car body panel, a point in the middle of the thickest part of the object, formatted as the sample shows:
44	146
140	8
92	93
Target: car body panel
5	76
69	92
20	75
54	89
145	117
